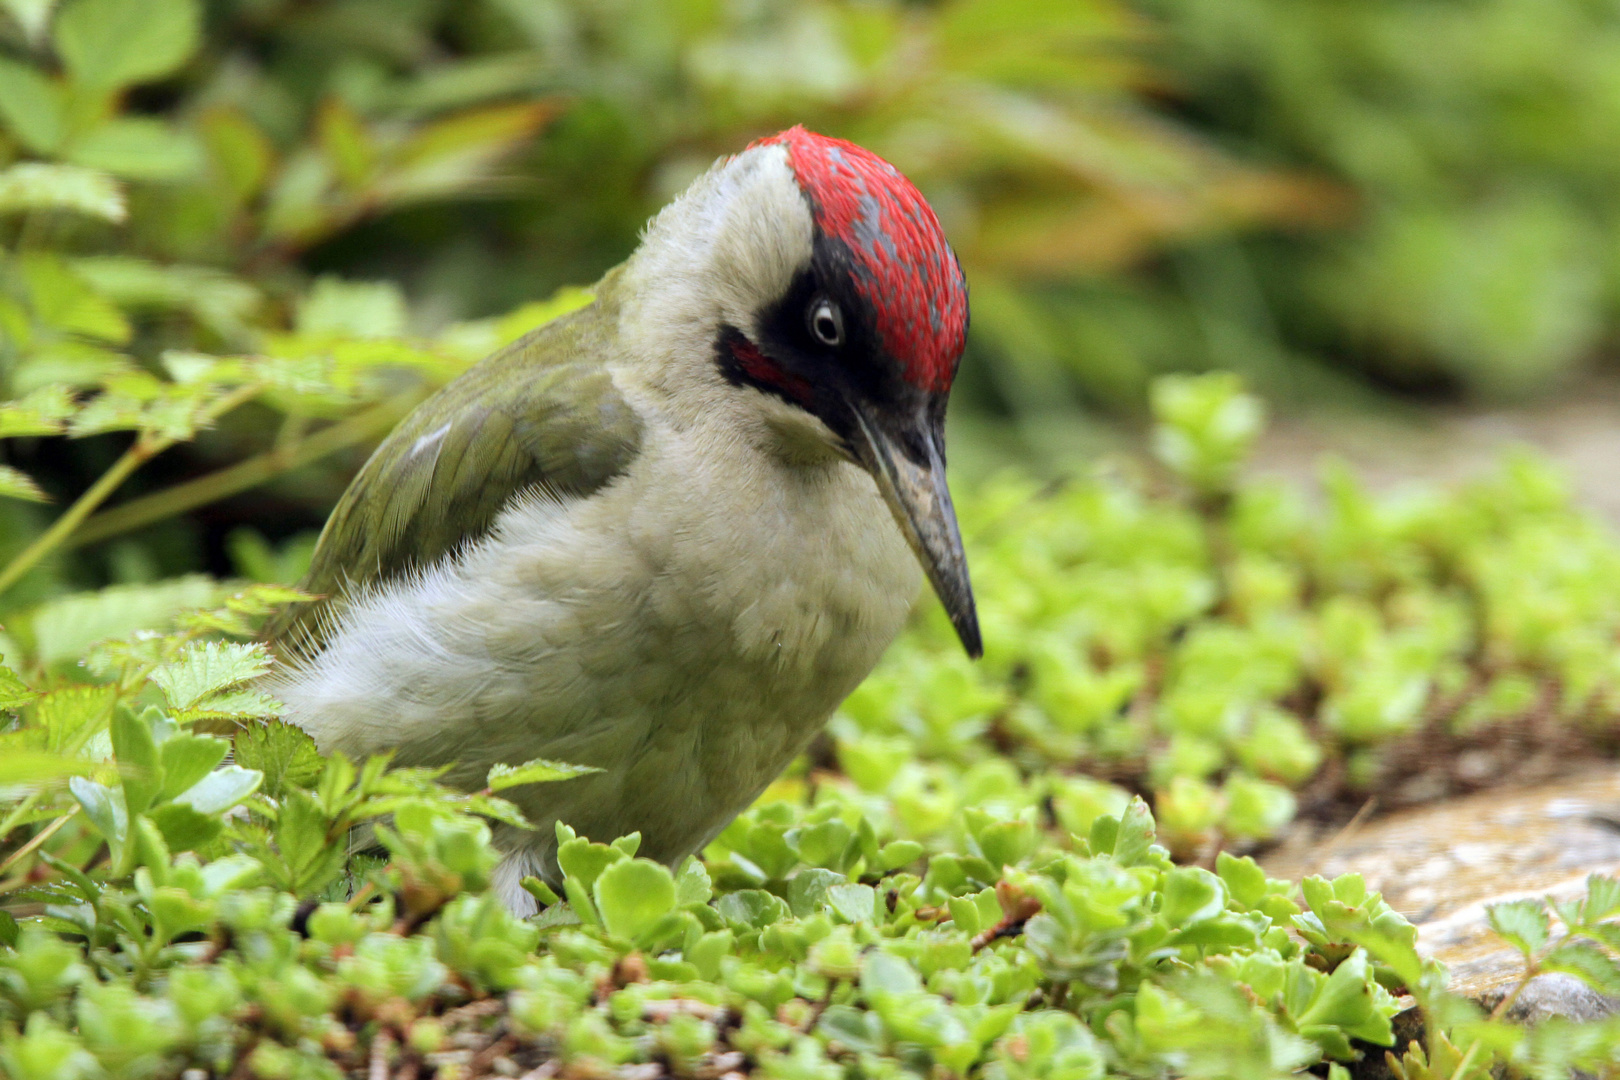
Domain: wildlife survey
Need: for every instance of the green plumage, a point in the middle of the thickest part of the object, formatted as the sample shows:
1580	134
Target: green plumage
542	413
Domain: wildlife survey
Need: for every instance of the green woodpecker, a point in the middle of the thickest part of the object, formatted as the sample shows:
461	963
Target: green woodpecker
667	534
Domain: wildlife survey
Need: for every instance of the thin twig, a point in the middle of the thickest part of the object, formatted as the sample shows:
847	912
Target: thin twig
145	448
237	478
39	838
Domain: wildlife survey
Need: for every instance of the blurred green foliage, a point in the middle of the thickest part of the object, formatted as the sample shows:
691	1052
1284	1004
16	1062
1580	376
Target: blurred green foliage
1223	643
255	177
957	893
1479	138
238	240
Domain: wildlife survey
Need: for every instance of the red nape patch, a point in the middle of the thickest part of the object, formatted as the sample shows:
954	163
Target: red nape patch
763	369
904	268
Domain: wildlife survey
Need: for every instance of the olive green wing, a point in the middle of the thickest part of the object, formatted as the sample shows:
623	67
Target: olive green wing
543	413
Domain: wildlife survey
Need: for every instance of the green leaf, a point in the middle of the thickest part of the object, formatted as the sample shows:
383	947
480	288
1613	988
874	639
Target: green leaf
64	629
1522	923
1135	836
138	148
308	857
1243	877
184	827
220	790
138	762
208	668
16	484
238	705
62	300
14	693
104	807
41	412
186	759
1588	963
457	155
33	767
538	771
361	309
35	185
633	895
32	15
65	719
285	754
1602	898
692	884
1192	894
33	107
110	44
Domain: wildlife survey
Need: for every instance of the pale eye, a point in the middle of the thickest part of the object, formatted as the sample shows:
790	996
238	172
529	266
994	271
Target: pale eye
826	321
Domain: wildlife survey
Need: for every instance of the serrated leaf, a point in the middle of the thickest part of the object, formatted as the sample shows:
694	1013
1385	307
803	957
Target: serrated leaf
65	719
14	693
108	44
497	809
692	884
264	598
208	668
538	771
1602	898
1588	963
285	754
224	303
1521	923
65	628
16	484
1136	833
238	705
41	412
36	185
310	859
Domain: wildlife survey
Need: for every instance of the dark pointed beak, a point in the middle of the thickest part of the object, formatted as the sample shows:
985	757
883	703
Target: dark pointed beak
907	459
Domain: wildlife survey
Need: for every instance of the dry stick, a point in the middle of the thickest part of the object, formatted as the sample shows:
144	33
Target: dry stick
145	448
39	838
241	476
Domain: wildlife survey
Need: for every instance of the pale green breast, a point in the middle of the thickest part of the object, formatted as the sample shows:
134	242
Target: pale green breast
542	413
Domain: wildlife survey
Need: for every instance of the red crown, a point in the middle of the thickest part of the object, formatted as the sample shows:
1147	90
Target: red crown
903	266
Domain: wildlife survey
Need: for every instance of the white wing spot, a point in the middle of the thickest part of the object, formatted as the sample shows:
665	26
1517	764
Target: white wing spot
431	439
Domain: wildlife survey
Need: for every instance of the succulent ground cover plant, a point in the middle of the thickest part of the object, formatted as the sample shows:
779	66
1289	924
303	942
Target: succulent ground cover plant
952	885
960	881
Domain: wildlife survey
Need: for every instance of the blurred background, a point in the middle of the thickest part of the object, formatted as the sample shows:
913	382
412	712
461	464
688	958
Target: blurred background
1399	220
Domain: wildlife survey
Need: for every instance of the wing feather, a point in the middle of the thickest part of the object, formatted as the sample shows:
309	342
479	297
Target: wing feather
543	413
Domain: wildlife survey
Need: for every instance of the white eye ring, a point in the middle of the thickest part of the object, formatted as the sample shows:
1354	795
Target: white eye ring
826	322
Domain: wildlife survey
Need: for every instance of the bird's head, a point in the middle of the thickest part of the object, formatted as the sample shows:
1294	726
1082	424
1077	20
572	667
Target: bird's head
828	302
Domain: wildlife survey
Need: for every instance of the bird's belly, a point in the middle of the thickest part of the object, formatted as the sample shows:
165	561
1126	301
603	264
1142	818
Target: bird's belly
687	649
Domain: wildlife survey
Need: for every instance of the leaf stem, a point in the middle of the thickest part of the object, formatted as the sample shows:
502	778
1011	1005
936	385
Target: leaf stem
146	447
237	478
39	838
